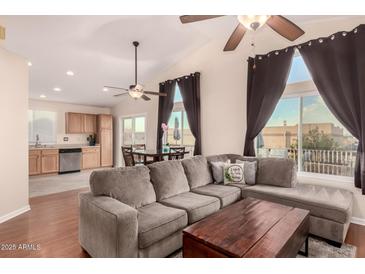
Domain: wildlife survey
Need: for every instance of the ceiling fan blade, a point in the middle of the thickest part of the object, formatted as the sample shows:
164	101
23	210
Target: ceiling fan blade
235	38
146	98
284	27
117	88
195	18
120	94
155	93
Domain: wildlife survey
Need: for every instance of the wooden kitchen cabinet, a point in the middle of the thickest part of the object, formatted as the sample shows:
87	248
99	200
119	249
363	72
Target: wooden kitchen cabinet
105	139
89	123
80	123
35	162
50	161
74	122
90	157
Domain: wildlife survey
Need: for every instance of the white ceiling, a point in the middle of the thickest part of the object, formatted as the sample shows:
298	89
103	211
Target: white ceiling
98	50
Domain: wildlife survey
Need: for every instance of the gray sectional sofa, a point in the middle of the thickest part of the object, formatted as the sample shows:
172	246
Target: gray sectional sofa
141	211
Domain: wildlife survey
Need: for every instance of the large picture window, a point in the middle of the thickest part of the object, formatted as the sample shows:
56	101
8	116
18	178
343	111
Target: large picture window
42	124
303	128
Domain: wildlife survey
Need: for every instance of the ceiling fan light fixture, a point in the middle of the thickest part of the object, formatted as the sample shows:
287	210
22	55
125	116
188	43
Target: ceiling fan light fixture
136	91
253	22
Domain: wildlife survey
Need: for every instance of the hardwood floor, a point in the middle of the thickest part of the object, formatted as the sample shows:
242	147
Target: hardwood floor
53	225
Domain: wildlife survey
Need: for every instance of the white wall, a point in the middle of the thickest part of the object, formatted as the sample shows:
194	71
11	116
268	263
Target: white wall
61	109
13	136
223	90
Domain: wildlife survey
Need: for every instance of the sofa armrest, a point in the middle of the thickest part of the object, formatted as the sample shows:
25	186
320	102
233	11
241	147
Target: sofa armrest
108	228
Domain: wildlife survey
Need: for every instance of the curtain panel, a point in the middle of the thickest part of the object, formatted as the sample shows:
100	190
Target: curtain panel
165	106
266	80
190	91
337	66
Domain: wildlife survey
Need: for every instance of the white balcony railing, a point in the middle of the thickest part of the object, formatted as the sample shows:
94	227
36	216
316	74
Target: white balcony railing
334	162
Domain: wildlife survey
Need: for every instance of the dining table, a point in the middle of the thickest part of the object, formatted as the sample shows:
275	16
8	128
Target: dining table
156	155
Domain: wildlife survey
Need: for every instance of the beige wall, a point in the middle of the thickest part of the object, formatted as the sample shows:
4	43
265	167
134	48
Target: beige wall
223	89
13	136
61	109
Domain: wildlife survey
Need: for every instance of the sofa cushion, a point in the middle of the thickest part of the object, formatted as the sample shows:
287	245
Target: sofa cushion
324	202
156	222
217	158
130	185
218	171
168	179
225	193
250	171
197	206
277	172
197	171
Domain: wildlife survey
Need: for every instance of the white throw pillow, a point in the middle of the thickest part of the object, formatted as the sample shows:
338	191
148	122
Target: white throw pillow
234	173
217	171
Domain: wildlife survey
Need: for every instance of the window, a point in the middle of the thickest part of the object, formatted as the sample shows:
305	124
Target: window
303	128
179	132
43	124
134	130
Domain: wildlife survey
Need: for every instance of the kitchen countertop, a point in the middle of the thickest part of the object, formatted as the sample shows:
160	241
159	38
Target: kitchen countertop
60	146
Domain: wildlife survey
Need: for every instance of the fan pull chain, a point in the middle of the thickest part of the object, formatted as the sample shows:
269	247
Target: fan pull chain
253	51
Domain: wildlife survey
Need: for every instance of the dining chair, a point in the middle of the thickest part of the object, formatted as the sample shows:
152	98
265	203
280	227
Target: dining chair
128	156
176	153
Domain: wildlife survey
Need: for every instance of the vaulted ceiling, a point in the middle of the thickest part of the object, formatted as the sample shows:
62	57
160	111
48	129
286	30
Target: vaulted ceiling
98	49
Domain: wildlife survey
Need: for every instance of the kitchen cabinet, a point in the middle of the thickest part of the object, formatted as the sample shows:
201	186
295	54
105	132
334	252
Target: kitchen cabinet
105	139
50	161
35	162
79	123
90	157
74	122
89	123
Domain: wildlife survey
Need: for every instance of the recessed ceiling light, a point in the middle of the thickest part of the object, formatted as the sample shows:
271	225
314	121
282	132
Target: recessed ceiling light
29	64
43	96
57	89
105	89
70	73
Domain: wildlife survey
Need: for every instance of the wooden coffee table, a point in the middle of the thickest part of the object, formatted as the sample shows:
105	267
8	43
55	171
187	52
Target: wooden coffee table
250	228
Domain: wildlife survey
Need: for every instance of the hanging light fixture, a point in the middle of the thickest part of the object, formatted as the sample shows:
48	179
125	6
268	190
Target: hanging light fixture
135	91
253	22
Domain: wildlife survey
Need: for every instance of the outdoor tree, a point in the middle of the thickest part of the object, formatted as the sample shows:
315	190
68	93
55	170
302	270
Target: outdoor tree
318	140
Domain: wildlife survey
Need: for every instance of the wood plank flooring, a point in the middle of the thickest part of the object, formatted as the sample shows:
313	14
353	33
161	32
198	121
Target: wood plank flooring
53	225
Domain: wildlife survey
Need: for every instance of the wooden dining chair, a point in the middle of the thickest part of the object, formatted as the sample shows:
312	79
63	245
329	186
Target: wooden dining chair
128	156
176	153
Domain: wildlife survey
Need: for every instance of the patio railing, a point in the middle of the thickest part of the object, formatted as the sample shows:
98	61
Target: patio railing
334	162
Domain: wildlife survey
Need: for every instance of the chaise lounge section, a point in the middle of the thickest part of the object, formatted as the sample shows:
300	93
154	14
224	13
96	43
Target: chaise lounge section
141	211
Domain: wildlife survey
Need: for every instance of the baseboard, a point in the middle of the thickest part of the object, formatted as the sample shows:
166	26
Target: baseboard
357	221
14	213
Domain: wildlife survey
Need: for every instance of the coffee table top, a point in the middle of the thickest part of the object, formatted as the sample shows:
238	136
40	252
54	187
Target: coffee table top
249	228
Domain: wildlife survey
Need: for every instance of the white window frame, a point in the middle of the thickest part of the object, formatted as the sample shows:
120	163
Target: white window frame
133	117
300	90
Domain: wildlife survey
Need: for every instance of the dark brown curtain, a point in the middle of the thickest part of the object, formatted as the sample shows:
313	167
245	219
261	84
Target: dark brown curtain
266	80
190	92
165	106
337	66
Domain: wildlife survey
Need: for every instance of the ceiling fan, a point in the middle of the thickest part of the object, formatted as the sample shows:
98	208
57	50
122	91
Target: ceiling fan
137	90
278	23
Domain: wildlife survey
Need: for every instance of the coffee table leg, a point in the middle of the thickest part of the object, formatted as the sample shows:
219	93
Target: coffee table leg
305	253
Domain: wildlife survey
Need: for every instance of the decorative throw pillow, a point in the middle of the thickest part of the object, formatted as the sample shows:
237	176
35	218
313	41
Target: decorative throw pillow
217	170
250	169
234	173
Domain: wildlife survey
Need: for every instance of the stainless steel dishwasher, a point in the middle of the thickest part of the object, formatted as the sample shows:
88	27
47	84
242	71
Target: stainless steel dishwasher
70	160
